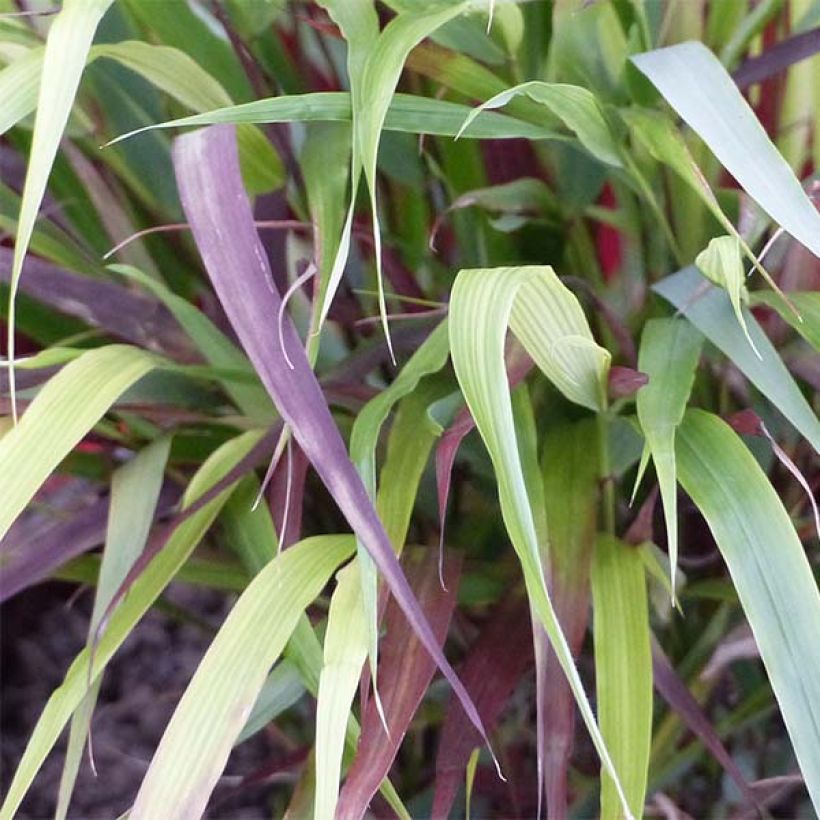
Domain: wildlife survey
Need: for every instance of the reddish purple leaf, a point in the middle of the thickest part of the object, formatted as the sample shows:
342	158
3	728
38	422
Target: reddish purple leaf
519	365
286	495
37	545
133	317
219	213
405	671
673	690
497	660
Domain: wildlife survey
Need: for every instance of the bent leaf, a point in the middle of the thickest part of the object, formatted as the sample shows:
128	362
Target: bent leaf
576	107
551	326
770	571
720	262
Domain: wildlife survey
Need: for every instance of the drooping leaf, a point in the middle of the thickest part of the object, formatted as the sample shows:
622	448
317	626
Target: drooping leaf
216	703
576	107
665	143
548	321
69	40
145	590
726	123
720	262
769	568
669	354
122	313
222	223
710	311
375	66
31	550
623	669
69	405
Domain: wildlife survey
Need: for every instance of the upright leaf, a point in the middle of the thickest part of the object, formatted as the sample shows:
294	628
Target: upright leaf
406	671
670	350
375	66
69	40
345	651
623	669
135	489
770	571
569	465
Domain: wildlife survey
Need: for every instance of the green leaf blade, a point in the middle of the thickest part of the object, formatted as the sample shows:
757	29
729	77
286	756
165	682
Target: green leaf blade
769	569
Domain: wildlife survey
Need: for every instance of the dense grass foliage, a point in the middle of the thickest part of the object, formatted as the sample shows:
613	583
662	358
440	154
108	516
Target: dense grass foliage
470	349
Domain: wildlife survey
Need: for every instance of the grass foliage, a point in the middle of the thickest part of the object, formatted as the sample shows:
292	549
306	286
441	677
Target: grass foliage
446	338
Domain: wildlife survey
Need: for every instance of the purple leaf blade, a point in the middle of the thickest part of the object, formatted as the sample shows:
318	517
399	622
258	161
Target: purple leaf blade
405	675
219	213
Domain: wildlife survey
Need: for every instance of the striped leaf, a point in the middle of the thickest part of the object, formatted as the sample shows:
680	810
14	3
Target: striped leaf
219	699
551	326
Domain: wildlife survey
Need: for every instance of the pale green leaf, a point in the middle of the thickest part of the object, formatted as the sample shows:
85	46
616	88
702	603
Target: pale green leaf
670	350
65	409
665	143
770	571
407	113
808	306
145	590
346	646
542	313
721	263
217	702
623	669
576	107
726	123
19	82
135	489
710	311
69	40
